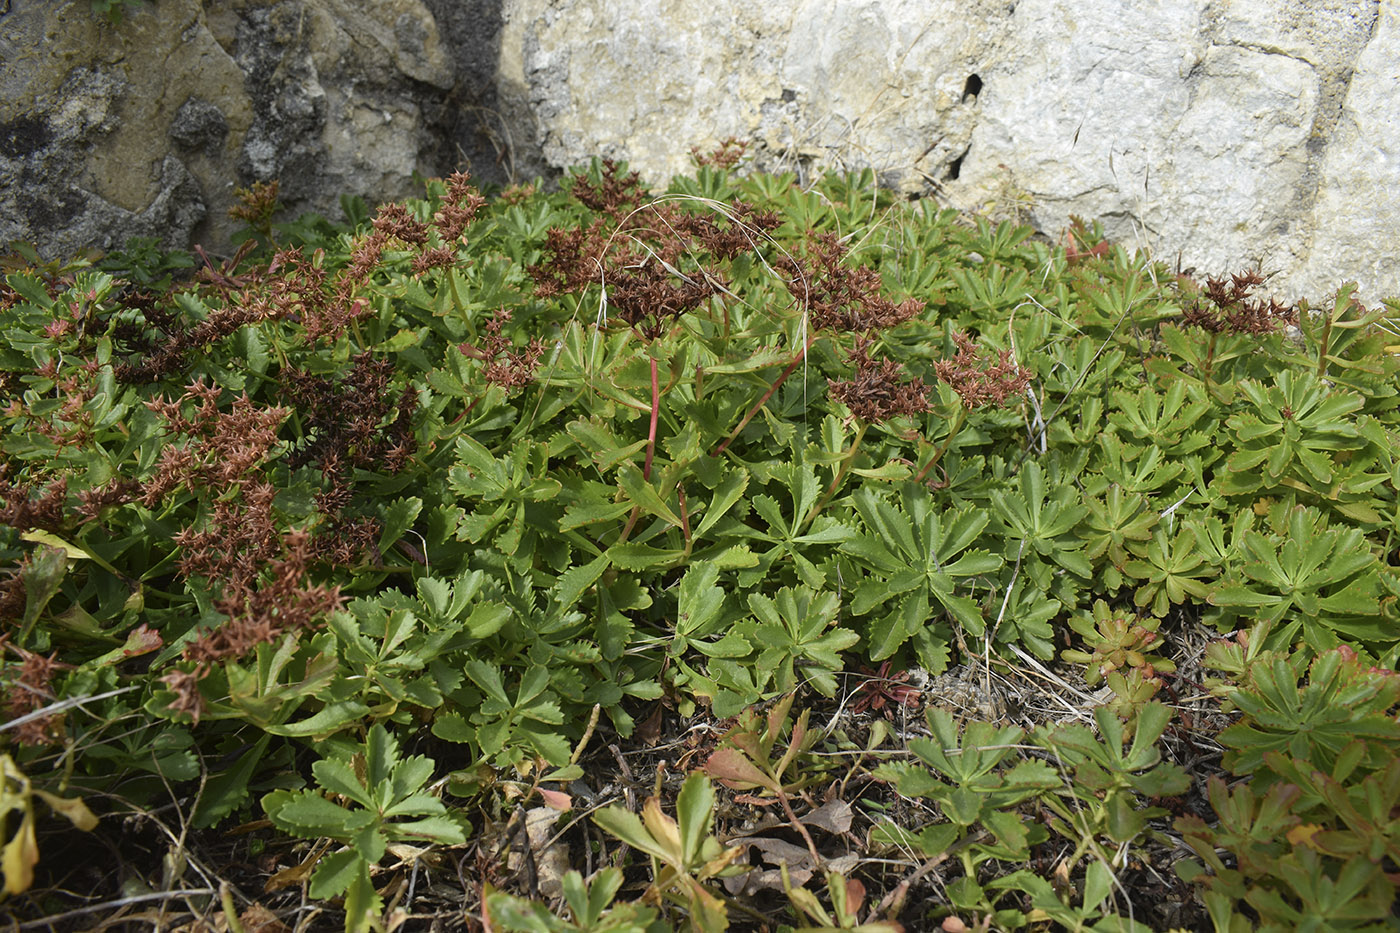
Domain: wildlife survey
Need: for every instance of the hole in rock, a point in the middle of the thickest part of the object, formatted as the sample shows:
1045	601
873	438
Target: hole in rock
955	166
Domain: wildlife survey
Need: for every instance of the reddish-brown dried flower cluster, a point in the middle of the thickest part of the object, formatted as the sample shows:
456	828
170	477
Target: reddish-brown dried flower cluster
517	194
225	446
637	250
299	288
724	156
614	194
458	209
92	501
14	595
257	204
8	297
21	508
744	227
162	344
505	366
355	419
239	533
648	298
438	257
977	382
1229	307
262	613
221	453
71	424
394	220
575	260
257	614
877	391
26	688
839	296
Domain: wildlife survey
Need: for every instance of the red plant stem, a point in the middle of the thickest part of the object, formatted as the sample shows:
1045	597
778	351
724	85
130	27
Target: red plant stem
763	400
468	411
655	410
632	517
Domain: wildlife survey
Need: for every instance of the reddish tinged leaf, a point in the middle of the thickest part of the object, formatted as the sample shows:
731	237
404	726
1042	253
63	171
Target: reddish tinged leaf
855	895
557	800
734	770
141	640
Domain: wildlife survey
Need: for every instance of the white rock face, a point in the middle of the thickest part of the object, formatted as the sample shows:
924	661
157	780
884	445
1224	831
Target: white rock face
1356	218
813	83
1218	133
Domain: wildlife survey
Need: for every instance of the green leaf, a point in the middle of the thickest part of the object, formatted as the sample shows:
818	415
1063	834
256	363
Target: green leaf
626	826
381	756
362	903
694	805
573	582
397	517
729	491
591	512
306	813
339	778
487	619
330	720
640	557
443	830
701	600
224	792
488	678
336	872
453	727
644	495
42	577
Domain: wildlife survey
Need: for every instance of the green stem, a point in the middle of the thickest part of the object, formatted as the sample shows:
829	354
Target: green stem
685	518
459	419
1208	365
635	514
1324	345
235	923
453	291
954	428
840	476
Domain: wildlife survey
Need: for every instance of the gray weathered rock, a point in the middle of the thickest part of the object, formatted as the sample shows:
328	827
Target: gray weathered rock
145	127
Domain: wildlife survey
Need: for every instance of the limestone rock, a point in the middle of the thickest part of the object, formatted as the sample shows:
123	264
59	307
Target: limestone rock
1213	132
815	83
1194	129
1356	217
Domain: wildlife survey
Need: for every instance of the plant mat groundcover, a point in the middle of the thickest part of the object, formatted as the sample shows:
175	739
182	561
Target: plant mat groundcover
379	574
